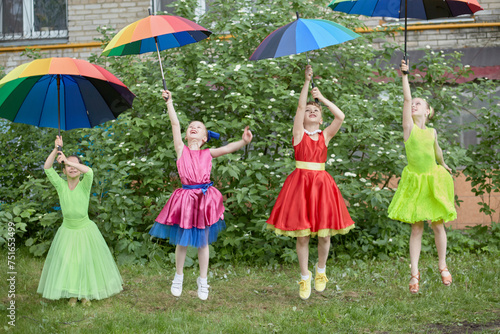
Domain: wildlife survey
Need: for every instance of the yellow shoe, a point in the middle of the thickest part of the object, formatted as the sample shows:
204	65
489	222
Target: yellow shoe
305	287
320	281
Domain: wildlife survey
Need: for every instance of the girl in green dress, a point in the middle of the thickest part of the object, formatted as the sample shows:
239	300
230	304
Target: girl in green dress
425	191
79	264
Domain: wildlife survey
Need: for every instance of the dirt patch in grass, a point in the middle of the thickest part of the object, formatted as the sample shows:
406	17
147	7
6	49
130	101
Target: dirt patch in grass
466	327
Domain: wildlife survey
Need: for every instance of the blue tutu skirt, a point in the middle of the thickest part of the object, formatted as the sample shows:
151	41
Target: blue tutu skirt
194	237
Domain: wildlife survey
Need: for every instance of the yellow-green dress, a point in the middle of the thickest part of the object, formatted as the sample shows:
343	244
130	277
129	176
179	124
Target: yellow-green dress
79	263
425	191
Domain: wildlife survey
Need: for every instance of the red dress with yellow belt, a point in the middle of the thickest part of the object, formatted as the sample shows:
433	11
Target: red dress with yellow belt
310	202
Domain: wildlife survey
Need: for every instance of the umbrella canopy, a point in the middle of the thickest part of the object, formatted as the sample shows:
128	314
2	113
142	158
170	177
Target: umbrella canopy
170	31
418	9
155	33
300	36
62	93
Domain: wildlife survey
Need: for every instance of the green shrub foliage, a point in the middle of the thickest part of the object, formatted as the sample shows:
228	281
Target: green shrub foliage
213	81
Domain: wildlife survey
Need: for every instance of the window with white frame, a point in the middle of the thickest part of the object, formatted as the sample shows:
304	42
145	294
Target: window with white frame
33	19
163	6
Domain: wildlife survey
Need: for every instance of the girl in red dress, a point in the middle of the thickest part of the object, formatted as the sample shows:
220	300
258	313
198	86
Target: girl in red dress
310	204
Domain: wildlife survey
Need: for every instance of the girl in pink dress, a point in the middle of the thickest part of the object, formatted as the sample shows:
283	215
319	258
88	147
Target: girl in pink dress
194	214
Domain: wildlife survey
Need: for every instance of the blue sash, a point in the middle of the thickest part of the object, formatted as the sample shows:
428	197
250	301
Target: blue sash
204	186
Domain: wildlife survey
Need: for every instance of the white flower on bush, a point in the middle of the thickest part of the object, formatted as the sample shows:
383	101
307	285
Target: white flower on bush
272	99
335	144
266	166
292	92
376	189
249	65
363	180
261	154
339	160
332	155
330	162
132	164
350	174
143	159
237	68
355	204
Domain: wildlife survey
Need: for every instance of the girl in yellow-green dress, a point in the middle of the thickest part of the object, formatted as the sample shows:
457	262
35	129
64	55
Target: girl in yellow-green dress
425	191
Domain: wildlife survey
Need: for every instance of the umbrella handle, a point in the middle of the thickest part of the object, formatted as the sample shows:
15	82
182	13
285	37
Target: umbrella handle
313	85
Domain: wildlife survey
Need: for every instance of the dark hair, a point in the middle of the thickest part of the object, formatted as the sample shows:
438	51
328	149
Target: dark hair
73	156
312	103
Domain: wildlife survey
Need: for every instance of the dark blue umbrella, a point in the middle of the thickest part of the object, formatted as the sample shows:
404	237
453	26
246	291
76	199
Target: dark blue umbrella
417	9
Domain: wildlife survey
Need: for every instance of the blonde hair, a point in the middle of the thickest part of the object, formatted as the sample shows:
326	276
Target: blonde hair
431	110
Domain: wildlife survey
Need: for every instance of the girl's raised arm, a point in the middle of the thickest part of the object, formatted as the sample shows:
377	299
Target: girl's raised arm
174	121
232	147
52	156
407	119
333	128
298	123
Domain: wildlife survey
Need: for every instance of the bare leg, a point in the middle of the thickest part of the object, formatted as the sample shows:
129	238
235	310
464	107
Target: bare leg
417	230
180	257
303	254
203	256
323	250
441	244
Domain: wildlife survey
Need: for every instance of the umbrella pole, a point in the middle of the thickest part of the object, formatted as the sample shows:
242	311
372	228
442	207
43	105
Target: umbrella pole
312	79
58	78
161	66
406	24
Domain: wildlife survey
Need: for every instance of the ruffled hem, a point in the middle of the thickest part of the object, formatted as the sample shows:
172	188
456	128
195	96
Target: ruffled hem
194	237
450	217
303	233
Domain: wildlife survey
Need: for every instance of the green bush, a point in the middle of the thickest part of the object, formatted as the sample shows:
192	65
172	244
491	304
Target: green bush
213	81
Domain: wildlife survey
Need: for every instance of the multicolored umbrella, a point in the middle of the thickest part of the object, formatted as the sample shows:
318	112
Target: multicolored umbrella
418	9
302	35
62	93
155	33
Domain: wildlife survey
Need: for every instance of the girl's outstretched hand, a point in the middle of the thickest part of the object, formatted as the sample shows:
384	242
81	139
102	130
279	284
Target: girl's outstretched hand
167	95
309	73
58	142
247	135
317	94
404	67
61	158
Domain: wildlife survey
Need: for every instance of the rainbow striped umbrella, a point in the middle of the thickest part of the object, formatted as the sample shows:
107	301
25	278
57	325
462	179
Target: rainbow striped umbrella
155	33
62	93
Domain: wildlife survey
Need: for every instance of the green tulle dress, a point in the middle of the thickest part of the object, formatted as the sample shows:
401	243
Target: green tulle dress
425	191
79	263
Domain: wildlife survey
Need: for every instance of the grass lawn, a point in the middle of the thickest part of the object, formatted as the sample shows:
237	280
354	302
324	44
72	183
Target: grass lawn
361	297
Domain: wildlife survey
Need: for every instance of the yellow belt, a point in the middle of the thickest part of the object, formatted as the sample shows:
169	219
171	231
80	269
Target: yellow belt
310	165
